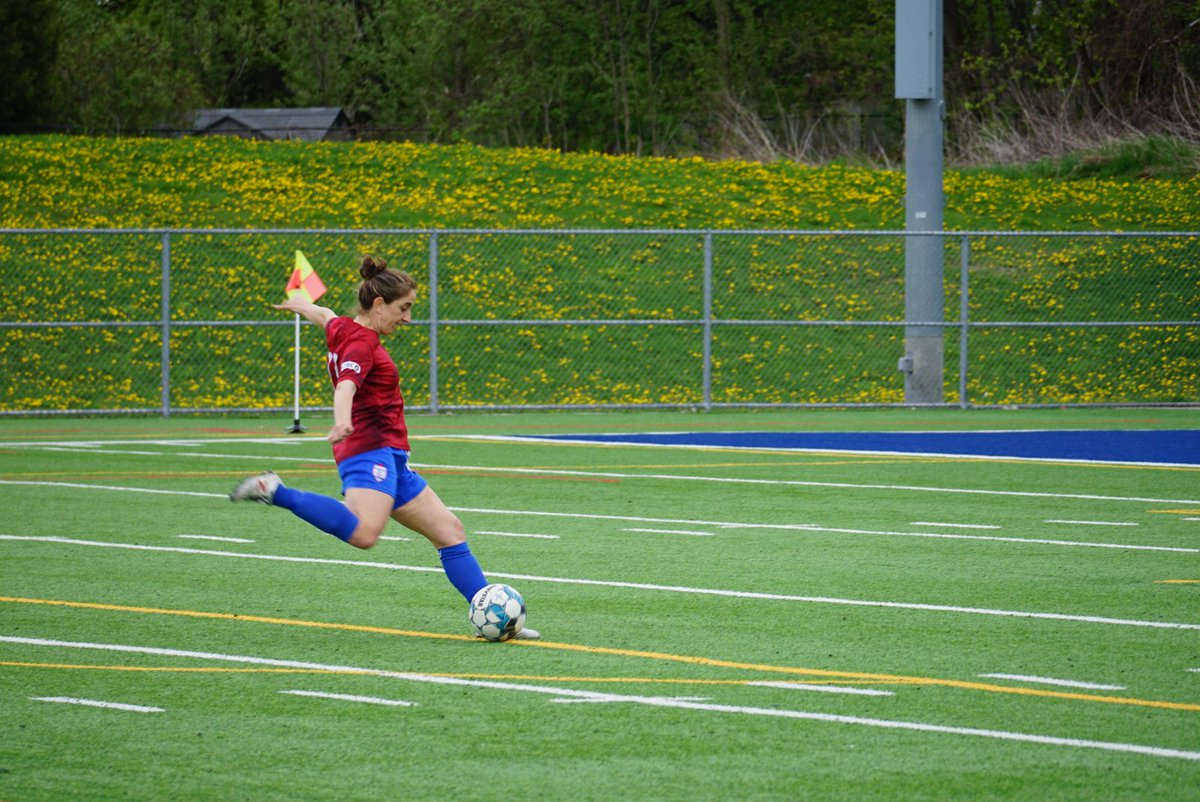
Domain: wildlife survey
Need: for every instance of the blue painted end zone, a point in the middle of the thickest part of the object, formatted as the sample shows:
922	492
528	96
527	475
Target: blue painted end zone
1154	446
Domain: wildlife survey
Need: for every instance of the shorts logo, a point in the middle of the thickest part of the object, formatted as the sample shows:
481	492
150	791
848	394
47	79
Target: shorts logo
379	471
348	365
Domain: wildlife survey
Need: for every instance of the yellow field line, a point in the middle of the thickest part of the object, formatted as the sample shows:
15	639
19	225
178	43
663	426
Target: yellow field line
882	678
661	656
238	617
1177	581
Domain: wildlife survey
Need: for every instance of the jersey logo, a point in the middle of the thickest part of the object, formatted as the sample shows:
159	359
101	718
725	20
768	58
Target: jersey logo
379	471
349	365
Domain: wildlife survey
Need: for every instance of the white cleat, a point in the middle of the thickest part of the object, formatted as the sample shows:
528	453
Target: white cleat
257	488
528	633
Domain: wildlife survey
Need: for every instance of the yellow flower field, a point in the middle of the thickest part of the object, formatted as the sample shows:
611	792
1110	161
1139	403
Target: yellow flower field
650	269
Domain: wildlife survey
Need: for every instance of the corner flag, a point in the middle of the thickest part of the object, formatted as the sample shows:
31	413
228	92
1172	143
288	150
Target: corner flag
306	284
304	281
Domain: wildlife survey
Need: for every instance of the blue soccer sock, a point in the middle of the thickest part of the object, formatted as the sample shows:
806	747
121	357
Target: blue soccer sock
324	512
462	569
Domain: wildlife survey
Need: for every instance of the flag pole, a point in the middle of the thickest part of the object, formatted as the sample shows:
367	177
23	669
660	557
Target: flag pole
296	427
306	284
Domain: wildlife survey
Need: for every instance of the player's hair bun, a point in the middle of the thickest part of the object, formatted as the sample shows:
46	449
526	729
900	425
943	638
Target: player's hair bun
371	267
381	282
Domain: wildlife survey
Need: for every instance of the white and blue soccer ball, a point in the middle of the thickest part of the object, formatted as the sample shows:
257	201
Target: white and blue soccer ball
497	612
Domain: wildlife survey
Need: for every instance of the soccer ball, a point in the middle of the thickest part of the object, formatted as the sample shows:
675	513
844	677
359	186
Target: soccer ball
497	612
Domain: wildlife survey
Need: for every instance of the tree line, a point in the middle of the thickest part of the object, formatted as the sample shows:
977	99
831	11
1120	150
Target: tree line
750	78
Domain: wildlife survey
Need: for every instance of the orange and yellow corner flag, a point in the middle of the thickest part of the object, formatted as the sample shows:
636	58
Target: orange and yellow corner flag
304	281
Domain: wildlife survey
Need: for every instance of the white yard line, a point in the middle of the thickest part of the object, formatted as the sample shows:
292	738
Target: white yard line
651	701
216	538
346	697
190	442
663	477
954	526
815	528
69	700
671	532
1066	683
124	489
800	686
513	534
933	608
1044	541
198	454
799	483
1092	523
723	524
602	699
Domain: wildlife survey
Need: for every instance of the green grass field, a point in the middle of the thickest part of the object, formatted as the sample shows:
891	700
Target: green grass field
717	624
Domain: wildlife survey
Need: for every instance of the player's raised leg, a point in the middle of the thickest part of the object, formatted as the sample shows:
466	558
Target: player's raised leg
359	521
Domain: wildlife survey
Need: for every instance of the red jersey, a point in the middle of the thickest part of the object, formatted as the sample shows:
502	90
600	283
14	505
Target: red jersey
378	410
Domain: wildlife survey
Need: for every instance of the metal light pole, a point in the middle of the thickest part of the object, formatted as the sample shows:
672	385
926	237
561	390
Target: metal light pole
919	84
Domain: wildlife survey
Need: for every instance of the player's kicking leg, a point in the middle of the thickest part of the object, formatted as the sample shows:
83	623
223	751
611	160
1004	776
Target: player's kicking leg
428	516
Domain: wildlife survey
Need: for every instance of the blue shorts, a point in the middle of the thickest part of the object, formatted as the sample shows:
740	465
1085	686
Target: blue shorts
385	470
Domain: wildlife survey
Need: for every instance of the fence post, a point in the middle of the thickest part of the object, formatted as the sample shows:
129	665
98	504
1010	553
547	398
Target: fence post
708	267
964	314
433	322
165	321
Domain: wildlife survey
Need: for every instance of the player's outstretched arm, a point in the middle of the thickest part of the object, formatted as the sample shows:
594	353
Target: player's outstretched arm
316	314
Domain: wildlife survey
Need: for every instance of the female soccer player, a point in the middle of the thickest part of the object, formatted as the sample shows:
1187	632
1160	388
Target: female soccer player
369	436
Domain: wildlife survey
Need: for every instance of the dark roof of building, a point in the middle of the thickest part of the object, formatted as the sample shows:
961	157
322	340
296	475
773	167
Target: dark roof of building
312	124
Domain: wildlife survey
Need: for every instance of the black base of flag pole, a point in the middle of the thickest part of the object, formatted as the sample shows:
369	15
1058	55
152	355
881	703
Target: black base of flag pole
296	428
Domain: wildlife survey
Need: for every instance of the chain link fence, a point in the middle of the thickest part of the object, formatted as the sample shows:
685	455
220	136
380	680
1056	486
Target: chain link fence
173	321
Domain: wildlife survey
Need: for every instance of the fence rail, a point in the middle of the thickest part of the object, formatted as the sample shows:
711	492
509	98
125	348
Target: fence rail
166	321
